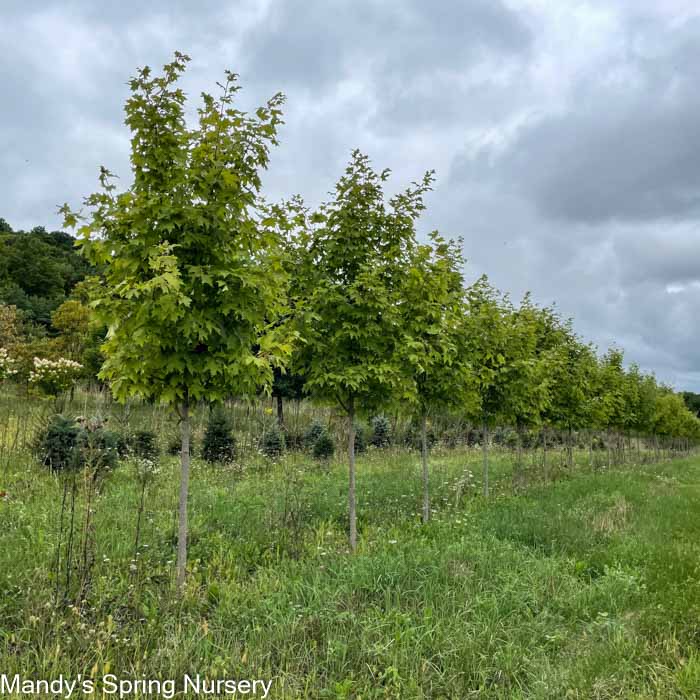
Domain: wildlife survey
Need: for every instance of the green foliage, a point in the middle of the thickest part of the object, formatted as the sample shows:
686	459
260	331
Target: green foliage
381	431
487	328
192	276
219	444
572	371
288	385
101	448
692	401
72	321
69	444
436	344
273	443
348	290
324	447
144	443
313	432
361	432
38	270
58	444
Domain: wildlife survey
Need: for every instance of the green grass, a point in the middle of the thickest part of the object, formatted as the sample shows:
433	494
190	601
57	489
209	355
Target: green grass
585	588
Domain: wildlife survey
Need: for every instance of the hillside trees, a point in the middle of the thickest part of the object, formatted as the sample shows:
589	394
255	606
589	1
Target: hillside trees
38	270
191	275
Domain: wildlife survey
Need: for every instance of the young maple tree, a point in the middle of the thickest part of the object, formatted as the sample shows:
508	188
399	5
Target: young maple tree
436	345
487	328
355	260
191	268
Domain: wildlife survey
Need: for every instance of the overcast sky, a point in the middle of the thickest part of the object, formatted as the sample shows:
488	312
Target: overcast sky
565	133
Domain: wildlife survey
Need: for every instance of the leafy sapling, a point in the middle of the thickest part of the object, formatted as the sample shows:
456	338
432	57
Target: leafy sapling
191	268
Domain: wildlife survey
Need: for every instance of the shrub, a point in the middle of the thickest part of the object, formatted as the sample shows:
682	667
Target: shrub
70	444
7	365
360	438
54	376
294	439
313	433
413	436
100	447
174	446
381	432
57	445
475	436
218	445
273	443
324	449
143	443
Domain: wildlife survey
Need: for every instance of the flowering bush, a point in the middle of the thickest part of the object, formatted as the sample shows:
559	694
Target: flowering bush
7	364
54	376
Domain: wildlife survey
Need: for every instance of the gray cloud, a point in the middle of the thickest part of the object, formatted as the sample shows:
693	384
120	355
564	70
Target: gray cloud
625	146
314	43
565	135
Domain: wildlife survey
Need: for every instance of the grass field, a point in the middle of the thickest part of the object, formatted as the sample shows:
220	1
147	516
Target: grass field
584	588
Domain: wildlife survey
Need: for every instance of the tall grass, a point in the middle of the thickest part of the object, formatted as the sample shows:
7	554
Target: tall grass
586	586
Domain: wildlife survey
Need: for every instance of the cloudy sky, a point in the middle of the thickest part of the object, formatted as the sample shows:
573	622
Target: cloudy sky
565	133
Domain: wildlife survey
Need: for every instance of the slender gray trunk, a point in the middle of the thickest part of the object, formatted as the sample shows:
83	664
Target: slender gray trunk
69	549
60	538
519	449
485	450
352	508
280	411
142	504
545	466
184	492
424	461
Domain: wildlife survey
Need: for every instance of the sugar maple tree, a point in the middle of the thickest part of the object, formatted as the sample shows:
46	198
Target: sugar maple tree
192	270
351	274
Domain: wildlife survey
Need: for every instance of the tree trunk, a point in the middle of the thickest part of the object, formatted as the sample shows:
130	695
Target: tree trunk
184	492
280	412
485	450
424	460
352	511
519	449
545	467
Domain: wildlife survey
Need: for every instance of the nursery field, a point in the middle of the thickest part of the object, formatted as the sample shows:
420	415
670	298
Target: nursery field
587	586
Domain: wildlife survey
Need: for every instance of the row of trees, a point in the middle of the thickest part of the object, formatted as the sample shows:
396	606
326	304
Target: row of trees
207	291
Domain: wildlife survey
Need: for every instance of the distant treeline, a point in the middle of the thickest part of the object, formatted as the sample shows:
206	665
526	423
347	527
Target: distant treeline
38	270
